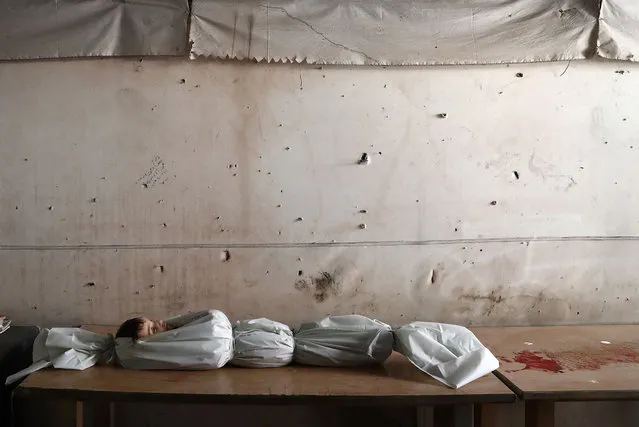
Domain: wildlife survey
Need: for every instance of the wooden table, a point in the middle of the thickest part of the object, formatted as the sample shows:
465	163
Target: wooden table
397	382
565	363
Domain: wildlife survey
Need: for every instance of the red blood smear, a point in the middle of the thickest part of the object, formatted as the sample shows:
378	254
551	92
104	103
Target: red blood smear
534	361
595	358
587	359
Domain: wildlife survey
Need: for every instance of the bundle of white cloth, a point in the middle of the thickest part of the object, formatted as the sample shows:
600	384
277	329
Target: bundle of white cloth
449	353
206	340
343	341
198	341
262	343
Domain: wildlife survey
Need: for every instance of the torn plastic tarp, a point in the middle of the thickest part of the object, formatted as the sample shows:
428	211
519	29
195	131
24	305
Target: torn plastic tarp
449	353
201	340
404	32
31	29
343	341
262	343
67	348
619	30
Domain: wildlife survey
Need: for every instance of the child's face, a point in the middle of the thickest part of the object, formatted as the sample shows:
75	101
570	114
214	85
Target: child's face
152	327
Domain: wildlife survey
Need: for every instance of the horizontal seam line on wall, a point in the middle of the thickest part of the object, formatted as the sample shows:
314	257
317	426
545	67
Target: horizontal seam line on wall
390	243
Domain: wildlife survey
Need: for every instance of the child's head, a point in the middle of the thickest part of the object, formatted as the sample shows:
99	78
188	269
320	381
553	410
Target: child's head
140	327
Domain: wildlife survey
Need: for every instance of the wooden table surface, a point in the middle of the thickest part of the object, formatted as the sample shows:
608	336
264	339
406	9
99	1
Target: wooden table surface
567	362
395	382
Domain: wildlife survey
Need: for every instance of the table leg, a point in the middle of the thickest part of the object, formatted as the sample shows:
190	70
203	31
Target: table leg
478	415
424	416
79	413
111	414
540	413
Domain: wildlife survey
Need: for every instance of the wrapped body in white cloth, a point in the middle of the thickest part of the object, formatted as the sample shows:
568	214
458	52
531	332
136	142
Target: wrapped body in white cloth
449	353
67	348
200	340
205	340
193	341
262	343
343	341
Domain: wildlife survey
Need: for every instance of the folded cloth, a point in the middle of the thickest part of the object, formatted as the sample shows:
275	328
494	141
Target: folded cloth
262	343
201	340
350	340
449	353
67	348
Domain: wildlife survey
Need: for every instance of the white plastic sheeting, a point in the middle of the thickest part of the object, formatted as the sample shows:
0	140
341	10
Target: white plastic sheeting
449	353
262	343
67	348
201	340
343	341
204	340
405	32
31	29
619	29
394	32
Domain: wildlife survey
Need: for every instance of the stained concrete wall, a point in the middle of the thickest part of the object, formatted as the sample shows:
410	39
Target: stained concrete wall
123	182
161	186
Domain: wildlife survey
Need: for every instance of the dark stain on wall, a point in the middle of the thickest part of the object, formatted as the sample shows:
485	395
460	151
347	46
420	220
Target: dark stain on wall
493	299
321	286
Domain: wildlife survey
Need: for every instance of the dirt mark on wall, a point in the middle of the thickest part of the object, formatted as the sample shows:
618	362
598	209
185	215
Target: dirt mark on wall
491	299
322	285
156	174
503	302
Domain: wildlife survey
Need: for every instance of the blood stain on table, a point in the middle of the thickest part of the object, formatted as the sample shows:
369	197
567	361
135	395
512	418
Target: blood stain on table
586	359
534	360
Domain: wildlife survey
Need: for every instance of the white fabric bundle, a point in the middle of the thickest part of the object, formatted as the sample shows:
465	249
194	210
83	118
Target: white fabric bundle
262	343
205	340
202	340
350	340
67	348
449	353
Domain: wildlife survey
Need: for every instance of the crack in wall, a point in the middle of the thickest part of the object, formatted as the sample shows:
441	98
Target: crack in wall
319	33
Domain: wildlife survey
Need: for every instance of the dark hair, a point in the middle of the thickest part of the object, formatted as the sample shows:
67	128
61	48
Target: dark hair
130	329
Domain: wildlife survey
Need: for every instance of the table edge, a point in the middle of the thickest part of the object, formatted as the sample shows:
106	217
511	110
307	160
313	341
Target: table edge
412	400
581	395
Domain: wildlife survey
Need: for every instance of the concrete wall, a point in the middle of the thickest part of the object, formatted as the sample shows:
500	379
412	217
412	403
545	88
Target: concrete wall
123	183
